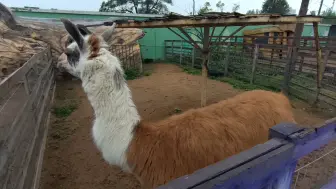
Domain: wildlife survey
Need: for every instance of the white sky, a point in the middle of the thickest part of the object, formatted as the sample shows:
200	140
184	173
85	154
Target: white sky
180	6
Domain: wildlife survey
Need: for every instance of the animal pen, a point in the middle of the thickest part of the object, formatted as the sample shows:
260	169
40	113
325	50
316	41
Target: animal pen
24	117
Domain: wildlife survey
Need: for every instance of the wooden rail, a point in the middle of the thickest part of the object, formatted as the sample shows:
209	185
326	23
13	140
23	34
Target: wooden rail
25	99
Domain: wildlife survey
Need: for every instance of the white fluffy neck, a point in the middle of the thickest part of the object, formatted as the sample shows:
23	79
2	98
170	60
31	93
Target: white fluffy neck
115	111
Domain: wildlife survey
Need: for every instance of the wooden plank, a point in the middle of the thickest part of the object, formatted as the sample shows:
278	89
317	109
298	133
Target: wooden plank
9	142
255	59
312	139
7	84
42	113
28	123
40	158
232	21
220	168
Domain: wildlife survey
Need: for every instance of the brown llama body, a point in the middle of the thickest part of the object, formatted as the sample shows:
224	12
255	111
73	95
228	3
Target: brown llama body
181	144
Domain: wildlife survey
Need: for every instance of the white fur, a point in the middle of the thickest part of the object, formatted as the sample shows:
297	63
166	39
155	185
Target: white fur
115	113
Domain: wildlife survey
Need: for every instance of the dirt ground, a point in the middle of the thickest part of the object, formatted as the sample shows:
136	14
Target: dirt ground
72	161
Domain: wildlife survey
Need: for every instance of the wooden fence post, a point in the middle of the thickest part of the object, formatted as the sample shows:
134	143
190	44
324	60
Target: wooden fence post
226	63
193	57
181	52
302	57
318	62
255	58
325	62
172	50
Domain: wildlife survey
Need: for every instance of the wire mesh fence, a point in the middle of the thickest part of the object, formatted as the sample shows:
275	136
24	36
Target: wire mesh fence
265	65
129	55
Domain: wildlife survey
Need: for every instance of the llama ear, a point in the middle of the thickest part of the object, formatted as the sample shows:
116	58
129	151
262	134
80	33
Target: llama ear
83	30
108	33
118	78
74	32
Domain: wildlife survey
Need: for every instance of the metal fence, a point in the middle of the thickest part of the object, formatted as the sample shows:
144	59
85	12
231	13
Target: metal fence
25	99
129	55
265	65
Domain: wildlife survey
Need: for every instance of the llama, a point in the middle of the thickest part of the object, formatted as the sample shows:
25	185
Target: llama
157	152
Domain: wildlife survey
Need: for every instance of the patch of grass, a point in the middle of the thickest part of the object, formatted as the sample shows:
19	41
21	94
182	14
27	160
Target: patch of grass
131	74
147	73
64	111
192	71
177	110
238	84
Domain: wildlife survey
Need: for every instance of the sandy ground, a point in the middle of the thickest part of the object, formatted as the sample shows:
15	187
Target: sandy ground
72	161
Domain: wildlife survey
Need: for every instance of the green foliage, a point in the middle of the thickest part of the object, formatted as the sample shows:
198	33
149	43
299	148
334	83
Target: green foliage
136	6
328	12
147	73
206	8
235	7
64	111
253	11
237	84
275	6
132	73
220	5
177	110
192	71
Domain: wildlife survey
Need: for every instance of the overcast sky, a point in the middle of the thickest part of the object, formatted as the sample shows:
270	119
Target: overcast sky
180	6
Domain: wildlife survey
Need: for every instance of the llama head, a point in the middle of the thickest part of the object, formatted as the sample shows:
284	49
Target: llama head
82	44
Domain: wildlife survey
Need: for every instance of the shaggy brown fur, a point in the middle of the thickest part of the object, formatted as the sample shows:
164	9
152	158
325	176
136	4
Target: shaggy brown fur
184	143
94	44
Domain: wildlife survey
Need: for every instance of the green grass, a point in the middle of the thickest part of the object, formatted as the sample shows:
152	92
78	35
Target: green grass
131	74
64	111
147	73
192	71
238	84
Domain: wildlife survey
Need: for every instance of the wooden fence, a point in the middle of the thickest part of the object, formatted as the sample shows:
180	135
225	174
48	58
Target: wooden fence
25	99
265	166
129	56
266	65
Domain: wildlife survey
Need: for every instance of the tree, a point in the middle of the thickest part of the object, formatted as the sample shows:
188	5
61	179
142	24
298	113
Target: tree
206	8
235	7
312	12
275	6
256	11
329	12
136	6
220	5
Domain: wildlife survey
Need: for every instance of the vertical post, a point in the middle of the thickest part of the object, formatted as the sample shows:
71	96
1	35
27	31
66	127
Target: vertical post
226	63
165	51
205	54
292	52
318	61
181	48
325	62
255	58
172	50
193	57
302	57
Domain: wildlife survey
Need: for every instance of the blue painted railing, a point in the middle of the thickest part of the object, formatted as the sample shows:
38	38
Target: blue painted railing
266	166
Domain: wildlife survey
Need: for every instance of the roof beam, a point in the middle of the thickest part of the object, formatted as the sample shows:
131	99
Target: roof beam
236	21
